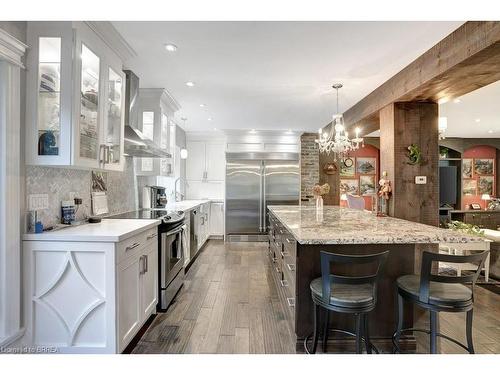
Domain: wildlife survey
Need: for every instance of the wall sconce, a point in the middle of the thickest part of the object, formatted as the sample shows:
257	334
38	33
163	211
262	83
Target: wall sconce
184	153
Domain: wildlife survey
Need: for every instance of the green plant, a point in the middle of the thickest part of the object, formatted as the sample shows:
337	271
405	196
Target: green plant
466	228
414	154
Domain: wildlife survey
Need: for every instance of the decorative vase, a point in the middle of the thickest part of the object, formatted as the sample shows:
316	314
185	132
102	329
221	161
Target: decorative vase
319	202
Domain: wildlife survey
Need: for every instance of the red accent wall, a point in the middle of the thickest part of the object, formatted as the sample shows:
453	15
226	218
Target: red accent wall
479	152
371	152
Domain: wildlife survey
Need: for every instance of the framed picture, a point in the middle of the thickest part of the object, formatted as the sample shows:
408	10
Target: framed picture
469	187
466	168
366	185
347	168
483	166
366	165
349	186
485	185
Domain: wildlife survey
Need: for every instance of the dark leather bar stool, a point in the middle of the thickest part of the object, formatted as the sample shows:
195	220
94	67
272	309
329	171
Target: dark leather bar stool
355	295
439	293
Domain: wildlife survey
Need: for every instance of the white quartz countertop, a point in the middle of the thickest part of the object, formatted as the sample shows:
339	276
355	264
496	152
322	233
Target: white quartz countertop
187	205
111	230
339	225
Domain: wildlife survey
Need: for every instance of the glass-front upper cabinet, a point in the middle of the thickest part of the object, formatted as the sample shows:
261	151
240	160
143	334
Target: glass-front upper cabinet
75	93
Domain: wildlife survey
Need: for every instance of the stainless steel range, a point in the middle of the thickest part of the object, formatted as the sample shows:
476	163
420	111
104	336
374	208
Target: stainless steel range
172	244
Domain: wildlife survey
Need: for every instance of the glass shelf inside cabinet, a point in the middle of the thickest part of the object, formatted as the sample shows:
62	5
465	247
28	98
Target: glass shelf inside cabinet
49	95
114	115
89	107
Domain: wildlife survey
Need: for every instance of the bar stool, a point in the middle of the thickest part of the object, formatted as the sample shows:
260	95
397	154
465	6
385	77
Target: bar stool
439	293
345	294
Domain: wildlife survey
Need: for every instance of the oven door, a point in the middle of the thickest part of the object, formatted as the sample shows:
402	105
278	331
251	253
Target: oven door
172	255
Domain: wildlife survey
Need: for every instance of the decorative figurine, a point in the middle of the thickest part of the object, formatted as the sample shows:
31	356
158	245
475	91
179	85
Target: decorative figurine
384	193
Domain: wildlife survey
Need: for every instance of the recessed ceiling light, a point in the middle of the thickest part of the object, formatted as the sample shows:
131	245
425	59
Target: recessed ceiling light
209	119
490	131
443	100
215	129
253	131
289	131
170	47
478	120
456	100
202	105
190	83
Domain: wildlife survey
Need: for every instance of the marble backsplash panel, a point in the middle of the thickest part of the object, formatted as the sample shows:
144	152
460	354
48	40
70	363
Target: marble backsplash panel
58	183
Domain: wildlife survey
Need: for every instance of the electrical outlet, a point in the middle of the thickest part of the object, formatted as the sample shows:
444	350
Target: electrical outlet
420	180
38	202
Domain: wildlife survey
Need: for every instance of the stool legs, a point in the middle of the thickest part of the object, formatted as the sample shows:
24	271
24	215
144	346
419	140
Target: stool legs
468	328
433	335
366	334
316	328
325	330
400	323
359	318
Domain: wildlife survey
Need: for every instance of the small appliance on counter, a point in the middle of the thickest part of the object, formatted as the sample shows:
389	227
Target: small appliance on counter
154	197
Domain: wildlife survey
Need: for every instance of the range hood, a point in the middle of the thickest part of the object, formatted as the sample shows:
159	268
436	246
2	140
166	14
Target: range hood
135	142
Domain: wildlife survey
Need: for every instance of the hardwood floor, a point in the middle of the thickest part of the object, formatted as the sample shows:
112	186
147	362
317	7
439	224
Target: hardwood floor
229	305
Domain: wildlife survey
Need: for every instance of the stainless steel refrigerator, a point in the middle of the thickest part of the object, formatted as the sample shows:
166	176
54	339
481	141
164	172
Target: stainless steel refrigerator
253	182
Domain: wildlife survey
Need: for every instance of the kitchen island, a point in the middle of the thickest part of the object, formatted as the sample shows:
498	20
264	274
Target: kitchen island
297	234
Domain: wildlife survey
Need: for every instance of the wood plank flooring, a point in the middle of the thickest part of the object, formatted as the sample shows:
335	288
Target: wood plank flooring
229	304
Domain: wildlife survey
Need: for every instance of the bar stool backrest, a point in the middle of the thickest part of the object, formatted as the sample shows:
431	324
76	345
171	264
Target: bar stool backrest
327	278
426	275
355	201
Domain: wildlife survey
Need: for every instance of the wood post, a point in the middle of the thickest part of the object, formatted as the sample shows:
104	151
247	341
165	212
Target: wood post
401	125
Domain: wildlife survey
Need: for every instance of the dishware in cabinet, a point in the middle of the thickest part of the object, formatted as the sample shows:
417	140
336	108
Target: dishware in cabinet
75	98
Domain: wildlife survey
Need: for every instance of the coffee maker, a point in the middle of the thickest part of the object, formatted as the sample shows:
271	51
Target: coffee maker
154	197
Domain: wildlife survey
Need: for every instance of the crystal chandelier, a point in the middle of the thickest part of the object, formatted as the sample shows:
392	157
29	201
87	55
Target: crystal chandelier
337	140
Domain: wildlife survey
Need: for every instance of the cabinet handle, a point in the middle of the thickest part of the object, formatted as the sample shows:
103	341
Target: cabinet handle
141	265
291	267
288	240
284	283
291	302
145	263
151	236
108	154
284	254
132	246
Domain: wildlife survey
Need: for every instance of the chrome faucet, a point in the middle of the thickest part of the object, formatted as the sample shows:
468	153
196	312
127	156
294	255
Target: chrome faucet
176	193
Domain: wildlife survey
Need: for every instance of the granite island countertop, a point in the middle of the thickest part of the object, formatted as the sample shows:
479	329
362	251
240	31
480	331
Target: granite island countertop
340	225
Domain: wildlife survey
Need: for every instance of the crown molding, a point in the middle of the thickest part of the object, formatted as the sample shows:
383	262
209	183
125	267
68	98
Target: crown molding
112	38
11	49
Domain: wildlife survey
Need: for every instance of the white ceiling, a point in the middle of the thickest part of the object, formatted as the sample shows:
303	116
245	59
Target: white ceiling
463	115
272	75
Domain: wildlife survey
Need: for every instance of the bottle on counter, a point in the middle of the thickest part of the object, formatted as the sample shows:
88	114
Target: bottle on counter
67	212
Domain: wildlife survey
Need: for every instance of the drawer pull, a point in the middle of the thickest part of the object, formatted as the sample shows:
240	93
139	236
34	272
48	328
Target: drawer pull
288	240
291	267
151	236
277	269
283	283
284	254
291	302
132	246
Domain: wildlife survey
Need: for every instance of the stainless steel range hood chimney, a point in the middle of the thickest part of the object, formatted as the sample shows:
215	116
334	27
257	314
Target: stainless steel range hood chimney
135	142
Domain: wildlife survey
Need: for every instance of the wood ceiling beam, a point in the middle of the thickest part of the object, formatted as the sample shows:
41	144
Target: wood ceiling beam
467	59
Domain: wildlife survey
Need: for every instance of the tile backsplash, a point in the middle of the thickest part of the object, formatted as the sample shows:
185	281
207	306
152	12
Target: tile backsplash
58	183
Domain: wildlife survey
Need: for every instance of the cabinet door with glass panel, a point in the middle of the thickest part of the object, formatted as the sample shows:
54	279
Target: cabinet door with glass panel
75	90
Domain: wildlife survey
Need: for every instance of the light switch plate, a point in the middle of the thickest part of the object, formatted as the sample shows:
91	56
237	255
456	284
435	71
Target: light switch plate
38	202
420	180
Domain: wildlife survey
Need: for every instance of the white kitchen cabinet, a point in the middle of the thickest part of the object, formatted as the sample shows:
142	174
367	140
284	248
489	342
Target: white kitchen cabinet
74	99
149	280
206	161
216	219
129	308
156	112
195	163
89	296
